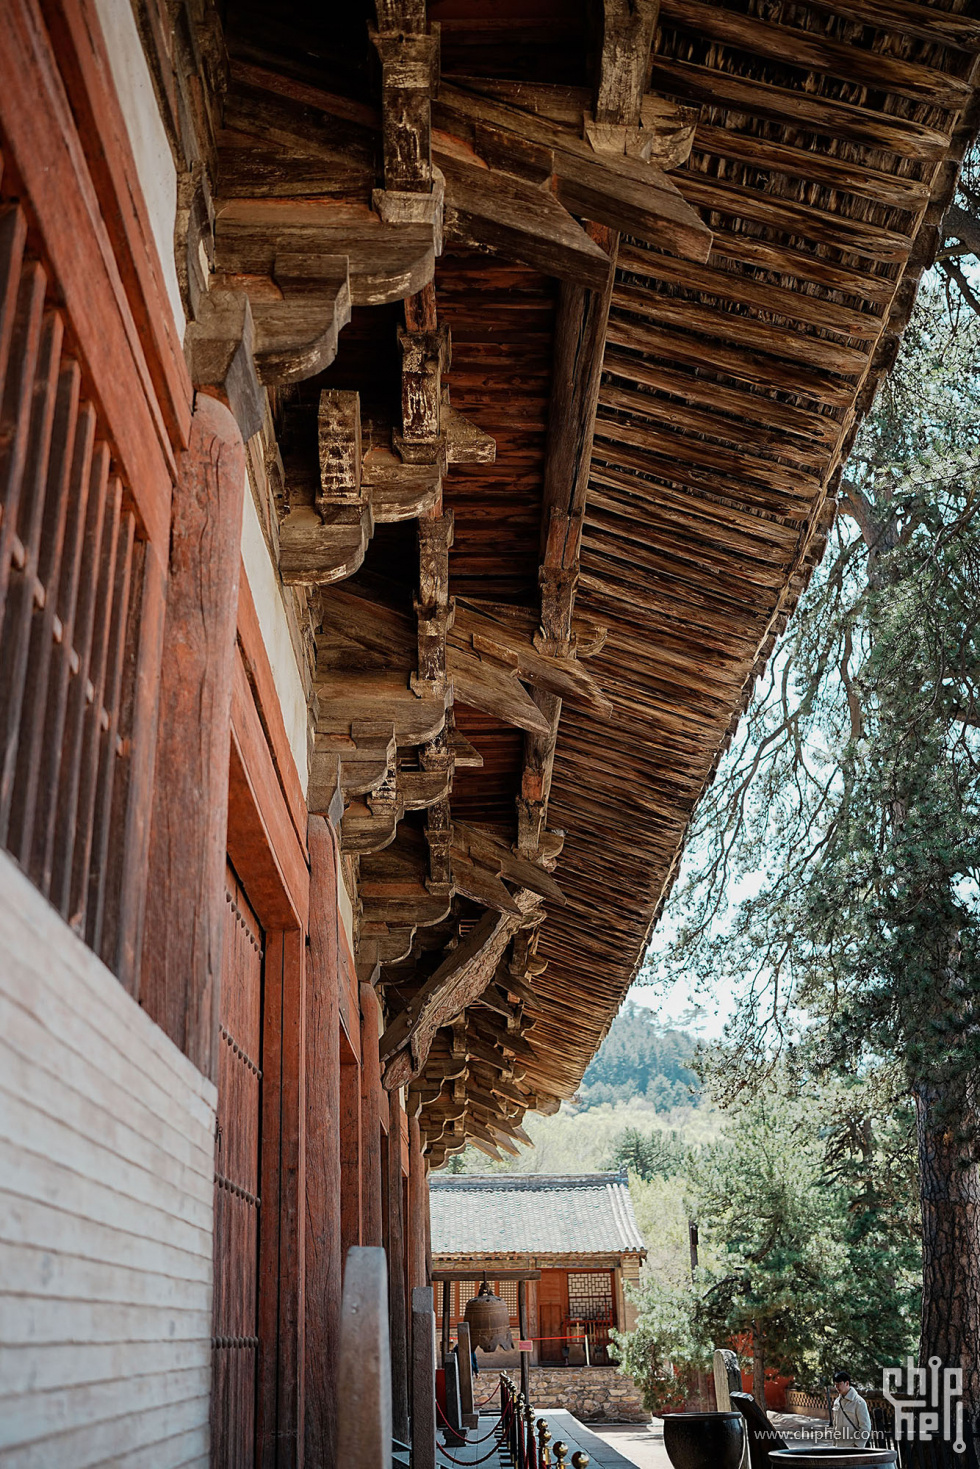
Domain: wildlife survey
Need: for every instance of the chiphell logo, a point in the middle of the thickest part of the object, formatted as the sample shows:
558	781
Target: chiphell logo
929	1404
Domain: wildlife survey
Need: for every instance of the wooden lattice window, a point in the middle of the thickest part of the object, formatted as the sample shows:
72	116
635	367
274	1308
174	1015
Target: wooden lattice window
72	582
590	1295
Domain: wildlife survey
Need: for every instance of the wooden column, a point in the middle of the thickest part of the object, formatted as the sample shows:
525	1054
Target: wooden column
350	1149
446	1312
423	1380
181	952
371	1095
464	1351
417	1207
395	1228
323	1214
522	1319
282	1246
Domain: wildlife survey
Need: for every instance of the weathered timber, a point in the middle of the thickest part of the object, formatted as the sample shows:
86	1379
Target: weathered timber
824	226
497	640
371	1102
220	348
911	19
728	285
423	1380
844	120
458	980
409	73
488	849
626	40
662	134
323	1194
394	1232
363	721
185	902
366	1359
500	212
840	174
804	49
623	193
386	262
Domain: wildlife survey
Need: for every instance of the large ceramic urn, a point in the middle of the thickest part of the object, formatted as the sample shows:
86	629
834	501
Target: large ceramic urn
704	1440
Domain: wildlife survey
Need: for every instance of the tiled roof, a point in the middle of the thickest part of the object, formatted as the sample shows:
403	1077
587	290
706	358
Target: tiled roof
532	1213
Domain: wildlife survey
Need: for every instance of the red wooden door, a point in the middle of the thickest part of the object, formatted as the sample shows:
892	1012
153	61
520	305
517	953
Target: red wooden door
552	1310
235	1341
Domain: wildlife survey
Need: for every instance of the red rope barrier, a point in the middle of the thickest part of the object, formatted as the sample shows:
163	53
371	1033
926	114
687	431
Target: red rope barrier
468	1463
475	1443
471	1463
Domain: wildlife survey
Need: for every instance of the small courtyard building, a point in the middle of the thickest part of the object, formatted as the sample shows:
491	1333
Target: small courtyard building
578	1232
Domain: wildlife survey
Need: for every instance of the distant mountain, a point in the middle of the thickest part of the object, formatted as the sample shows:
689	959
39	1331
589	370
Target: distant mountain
640	1058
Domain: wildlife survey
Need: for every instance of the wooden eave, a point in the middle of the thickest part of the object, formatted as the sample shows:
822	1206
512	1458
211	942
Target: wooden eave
728	386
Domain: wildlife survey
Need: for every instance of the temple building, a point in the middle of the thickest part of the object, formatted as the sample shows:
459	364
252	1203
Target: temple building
576	1241
417	423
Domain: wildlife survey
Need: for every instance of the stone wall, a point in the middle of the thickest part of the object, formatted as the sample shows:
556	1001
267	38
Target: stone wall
593	1394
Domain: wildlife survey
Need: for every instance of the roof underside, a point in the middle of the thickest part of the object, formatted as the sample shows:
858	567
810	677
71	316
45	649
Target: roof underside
730	394
826	141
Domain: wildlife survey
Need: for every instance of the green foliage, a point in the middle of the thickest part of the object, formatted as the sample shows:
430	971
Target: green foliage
584	1140
848	811
808	1242
649	1155
814	1244
640	1058
665	1350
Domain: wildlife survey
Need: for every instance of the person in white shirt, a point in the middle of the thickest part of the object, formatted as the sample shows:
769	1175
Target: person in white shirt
852	1421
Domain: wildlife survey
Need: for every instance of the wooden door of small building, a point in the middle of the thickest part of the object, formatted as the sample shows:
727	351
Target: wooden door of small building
235	1342
552	1310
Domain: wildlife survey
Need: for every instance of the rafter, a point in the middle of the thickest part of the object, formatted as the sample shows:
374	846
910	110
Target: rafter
462	976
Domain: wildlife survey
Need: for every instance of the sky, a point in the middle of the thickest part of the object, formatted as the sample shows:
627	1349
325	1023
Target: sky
676	1004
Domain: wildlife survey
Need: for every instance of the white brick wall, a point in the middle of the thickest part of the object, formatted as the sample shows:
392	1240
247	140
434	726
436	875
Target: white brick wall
106	1183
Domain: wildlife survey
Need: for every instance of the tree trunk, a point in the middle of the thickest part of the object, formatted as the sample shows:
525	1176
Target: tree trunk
950	1194
759	1370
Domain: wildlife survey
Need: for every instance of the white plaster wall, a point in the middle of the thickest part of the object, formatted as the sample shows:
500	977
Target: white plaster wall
345	908
155	166
106	1209
267	595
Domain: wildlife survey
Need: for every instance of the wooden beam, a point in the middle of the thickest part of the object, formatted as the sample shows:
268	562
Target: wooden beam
489	209
908	18
662	133
756	368
736	285
484	847
499	640
458	980
841	174
386	262
628	27
848	121
809	51
623	193
823	226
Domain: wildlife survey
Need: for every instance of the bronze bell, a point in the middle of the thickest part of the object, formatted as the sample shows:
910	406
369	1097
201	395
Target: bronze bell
489	1321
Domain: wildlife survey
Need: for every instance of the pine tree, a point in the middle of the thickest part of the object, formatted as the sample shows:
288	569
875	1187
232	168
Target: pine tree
849	809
